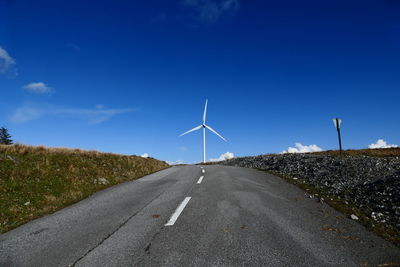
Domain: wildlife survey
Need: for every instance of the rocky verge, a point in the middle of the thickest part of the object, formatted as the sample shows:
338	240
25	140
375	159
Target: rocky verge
372	184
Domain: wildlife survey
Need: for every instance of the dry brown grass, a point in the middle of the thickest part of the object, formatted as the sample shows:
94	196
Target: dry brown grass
380	152
35	181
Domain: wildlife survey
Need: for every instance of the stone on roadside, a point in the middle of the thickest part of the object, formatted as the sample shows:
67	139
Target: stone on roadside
353	217
100	180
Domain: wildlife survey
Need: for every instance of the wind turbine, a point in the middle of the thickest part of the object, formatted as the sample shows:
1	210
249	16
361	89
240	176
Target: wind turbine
204	126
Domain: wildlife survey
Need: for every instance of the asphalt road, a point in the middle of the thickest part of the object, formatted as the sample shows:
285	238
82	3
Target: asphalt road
232	217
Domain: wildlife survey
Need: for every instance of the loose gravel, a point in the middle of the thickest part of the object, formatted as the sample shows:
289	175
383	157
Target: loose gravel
370	183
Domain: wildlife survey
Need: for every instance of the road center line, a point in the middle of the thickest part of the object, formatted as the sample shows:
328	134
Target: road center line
201	179
203	170
177	212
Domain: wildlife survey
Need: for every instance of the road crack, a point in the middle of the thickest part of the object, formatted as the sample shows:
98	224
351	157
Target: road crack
148	247
120	226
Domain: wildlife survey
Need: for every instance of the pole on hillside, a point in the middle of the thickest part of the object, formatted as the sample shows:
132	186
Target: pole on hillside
337	122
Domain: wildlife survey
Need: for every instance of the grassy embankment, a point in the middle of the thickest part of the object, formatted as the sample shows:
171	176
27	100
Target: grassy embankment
35	181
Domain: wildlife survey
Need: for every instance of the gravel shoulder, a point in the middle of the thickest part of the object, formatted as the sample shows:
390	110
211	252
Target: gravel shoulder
363	186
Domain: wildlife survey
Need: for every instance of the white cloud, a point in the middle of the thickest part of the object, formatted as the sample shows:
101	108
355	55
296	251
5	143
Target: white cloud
299	148
381	144
99	106
38	88
93	116
210	11
145	155
7	63
175	162
225	156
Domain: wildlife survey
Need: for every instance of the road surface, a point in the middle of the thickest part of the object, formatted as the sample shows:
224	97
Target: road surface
197	216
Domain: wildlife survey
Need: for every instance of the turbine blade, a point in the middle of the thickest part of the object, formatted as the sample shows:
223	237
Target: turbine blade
205	112
212	130
192	130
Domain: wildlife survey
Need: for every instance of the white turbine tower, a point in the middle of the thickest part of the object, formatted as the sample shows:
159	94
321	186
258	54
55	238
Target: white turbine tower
204	126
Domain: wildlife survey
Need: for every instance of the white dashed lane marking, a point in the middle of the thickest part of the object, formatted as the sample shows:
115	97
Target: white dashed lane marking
200	180
177	212
182	206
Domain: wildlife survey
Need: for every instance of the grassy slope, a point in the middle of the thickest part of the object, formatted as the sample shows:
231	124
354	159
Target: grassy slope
35	181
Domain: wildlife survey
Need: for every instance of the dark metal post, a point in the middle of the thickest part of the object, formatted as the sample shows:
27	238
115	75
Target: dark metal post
338	131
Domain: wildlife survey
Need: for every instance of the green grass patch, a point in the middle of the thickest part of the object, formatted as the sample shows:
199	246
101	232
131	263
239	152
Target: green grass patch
35	181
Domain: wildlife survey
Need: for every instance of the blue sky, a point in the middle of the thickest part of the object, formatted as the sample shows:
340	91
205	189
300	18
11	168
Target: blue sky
130	76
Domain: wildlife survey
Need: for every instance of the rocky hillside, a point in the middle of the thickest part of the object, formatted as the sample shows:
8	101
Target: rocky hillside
371	184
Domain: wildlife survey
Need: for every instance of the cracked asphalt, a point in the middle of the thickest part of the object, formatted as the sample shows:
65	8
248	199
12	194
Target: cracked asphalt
235	217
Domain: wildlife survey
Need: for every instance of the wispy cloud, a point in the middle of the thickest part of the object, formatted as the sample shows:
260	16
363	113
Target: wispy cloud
299	148
208	12
93	116
73	46
144	155
225	156
380	143
161	17
7	63
182	148
38	88
24	114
